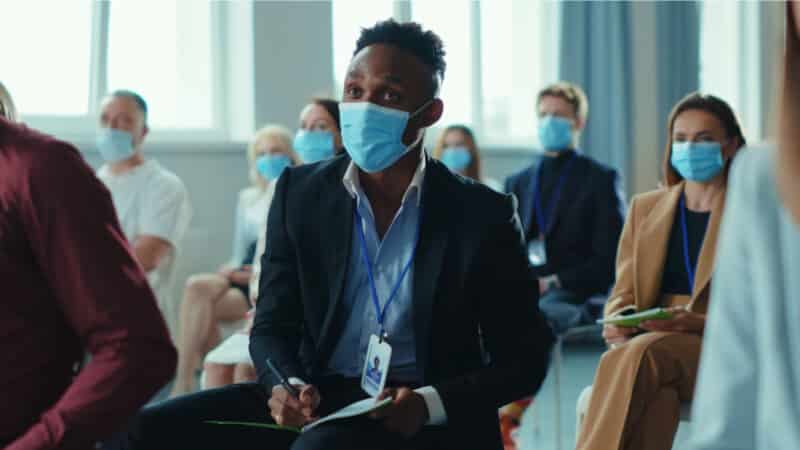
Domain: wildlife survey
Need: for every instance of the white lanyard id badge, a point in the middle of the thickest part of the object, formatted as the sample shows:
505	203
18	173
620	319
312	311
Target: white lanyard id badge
379	352
376	366
537	251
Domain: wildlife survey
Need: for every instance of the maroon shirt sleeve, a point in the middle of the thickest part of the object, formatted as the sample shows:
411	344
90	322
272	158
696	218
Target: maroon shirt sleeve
104	296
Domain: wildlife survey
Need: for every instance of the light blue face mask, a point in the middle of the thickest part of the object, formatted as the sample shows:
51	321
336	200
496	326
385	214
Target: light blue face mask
555	133
114	145
373	134
313	146
456	158
271	166
697	161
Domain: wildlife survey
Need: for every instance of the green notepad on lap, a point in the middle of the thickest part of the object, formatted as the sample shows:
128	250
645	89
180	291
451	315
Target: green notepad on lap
356	409
634	319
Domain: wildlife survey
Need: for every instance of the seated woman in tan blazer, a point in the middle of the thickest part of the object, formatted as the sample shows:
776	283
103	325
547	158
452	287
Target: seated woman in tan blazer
665	259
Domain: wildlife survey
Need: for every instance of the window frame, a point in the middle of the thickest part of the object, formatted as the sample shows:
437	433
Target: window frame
83	127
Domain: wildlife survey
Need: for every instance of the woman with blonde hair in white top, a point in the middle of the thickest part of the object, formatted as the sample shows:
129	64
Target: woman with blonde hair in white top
318	138
223	297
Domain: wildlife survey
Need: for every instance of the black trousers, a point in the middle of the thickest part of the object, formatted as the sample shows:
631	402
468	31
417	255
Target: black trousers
181	424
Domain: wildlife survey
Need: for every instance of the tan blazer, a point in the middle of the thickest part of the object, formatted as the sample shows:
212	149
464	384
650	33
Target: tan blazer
643	250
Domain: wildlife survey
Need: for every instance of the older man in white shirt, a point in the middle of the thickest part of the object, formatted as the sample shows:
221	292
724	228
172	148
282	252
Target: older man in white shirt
152	203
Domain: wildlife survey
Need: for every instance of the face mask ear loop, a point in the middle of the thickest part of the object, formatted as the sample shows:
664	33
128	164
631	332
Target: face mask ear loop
421	131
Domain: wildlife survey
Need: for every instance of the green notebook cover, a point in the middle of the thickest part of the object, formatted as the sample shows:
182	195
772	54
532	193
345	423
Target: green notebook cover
271	426
634	320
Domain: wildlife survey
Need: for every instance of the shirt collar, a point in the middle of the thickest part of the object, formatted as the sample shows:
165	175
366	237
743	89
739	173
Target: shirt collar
353	185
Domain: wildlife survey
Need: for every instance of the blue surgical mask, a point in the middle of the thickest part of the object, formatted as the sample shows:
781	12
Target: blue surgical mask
271	166
555	133
373	134
697	161
313	146
114	145
456	158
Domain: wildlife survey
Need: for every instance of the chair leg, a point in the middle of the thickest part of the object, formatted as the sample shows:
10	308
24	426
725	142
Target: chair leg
557	360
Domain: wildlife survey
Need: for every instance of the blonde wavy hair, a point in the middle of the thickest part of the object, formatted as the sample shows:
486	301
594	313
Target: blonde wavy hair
270	131
7	108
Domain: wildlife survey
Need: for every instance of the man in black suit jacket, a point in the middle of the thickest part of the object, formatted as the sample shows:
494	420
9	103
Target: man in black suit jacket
465	330
571	208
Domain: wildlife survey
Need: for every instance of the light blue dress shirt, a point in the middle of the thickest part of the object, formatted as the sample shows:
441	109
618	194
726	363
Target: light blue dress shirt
388	257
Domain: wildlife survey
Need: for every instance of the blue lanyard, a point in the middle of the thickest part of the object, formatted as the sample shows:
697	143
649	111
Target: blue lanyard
381	314
690	270
542	220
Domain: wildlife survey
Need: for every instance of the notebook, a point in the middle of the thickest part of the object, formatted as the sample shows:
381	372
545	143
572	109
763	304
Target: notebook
358	408
628	317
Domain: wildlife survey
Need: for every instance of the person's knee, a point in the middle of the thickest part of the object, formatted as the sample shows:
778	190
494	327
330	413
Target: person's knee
216	370
202	288
651	354
244	372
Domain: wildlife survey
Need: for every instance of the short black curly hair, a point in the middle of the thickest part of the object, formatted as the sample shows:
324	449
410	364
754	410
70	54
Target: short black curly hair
409	36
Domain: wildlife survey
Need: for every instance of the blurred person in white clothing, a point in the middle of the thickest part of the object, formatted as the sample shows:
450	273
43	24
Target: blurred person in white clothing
211	299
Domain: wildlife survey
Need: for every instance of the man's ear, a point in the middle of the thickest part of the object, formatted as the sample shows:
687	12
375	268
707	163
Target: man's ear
579	124
145	131
433	114
729	150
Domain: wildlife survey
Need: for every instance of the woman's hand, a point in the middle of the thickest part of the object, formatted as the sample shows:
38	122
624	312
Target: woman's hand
682	321
241	276
615	335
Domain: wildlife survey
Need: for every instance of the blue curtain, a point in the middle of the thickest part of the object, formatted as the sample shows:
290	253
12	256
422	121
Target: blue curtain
597	52
678	57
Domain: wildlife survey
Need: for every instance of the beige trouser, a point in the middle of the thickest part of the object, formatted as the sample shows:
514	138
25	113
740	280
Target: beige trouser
638	391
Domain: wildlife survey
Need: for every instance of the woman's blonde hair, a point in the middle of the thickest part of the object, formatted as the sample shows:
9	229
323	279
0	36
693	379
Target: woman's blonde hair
473	170
7	108
788	165
271	131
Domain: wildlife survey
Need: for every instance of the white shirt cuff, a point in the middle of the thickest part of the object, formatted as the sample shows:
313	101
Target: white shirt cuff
436	412
294	381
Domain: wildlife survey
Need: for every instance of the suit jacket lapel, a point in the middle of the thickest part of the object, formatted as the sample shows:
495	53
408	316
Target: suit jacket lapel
571	183
428	258
526	195
337	213
651	248
705	262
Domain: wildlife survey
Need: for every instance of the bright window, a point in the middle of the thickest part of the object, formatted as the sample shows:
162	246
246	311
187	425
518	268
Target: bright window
519	56
349	17
450	19
60	58
499	54
162	50
730	48
45	56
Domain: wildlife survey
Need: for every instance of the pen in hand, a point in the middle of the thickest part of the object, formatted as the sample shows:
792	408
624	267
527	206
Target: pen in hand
282	379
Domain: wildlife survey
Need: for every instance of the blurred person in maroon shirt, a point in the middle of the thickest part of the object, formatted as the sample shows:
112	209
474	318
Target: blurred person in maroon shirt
70	287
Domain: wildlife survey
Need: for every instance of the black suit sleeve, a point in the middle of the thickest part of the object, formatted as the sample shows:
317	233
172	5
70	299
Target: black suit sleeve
278	324
514	332
596	274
